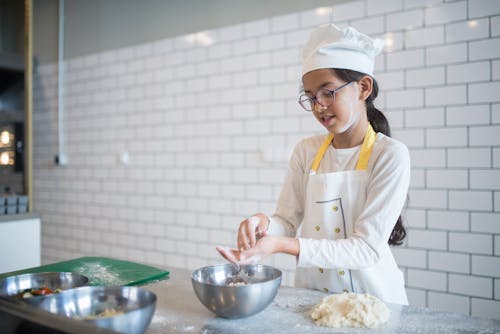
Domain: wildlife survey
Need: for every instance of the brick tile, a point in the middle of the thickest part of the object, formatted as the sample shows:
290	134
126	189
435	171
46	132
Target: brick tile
449	302
471	285
485	308
450	262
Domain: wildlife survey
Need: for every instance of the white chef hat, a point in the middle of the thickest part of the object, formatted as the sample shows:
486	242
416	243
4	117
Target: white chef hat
332	47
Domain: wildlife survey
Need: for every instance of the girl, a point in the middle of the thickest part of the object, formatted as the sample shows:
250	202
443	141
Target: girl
339	207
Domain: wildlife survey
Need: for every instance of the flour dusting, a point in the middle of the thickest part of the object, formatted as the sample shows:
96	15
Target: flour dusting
99	274
159	320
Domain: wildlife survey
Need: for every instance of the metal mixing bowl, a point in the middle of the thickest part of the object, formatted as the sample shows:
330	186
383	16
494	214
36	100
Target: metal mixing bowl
11	286
211	285
135	306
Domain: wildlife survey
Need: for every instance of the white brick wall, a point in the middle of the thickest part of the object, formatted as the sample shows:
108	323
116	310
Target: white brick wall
471	285
450	262
471	243
208	121
450	302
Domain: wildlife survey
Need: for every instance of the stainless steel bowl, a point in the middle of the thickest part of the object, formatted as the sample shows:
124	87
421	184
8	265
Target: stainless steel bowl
134	306
213	288
11	286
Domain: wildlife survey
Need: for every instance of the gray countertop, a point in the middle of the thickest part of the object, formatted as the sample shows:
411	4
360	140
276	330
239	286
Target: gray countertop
179	311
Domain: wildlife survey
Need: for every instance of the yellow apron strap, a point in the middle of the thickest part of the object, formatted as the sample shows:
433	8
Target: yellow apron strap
364	155
321	153
366	148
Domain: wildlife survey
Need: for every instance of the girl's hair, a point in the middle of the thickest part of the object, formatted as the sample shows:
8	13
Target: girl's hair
380	124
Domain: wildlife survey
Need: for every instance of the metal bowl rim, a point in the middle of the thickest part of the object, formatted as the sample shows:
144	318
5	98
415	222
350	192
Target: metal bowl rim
109	287
144	312
43	273
279	275
85	279
76	293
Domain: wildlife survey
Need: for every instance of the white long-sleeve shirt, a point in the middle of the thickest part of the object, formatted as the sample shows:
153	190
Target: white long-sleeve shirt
389	178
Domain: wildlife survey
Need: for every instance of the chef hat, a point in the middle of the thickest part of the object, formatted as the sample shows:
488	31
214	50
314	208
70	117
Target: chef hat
332	47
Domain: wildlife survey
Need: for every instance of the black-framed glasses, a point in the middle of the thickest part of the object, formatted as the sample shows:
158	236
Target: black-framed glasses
325	97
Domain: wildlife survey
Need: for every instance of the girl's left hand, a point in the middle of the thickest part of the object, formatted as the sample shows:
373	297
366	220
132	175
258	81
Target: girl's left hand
263	248
251	230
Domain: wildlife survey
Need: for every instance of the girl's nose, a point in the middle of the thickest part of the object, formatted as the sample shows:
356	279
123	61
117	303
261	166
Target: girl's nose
318	107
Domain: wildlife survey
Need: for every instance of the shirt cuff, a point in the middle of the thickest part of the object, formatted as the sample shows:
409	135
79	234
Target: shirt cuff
277	228
306	253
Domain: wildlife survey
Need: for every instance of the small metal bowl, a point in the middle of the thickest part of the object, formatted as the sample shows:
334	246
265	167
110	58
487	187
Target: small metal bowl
11	286
213	288
133	307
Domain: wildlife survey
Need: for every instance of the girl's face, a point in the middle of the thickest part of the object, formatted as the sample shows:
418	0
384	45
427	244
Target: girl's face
347	107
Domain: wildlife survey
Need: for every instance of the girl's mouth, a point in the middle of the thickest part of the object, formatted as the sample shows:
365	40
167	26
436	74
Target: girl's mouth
326	119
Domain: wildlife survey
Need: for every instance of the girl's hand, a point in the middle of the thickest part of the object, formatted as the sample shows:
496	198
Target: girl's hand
263	248
251	229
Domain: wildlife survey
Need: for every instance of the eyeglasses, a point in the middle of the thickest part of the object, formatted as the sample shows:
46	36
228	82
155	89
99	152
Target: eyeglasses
325	97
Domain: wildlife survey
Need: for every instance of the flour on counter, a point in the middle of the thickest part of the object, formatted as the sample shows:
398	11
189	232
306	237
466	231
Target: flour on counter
350	310
159	320
99	274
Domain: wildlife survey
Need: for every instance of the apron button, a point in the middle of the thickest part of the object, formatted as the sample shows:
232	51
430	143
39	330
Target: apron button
335	208
337	230
325	289
341	272
317	228
320	270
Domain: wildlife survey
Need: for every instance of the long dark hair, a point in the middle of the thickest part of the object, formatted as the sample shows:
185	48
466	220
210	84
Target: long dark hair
379	123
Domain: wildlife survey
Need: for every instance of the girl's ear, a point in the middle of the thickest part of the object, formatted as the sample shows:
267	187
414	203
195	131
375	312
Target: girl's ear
365	87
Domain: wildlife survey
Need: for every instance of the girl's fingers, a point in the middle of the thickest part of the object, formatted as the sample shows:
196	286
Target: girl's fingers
252	224
261	233
250	230
242	238
229	254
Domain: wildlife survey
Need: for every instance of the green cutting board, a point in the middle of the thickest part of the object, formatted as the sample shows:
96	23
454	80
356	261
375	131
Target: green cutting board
102	271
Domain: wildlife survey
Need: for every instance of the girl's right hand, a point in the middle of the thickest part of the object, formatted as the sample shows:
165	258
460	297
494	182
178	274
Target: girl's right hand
252	229
263	248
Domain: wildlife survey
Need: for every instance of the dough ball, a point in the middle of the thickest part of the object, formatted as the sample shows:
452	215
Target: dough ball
350	310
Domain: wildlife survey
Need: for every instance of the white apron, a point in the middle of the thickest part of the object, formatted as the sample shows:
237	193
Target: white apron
334	201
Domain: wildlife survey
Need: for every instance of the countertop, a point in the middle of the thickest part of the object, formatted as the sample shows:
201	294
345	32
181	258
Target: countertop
179	311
